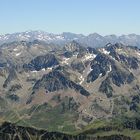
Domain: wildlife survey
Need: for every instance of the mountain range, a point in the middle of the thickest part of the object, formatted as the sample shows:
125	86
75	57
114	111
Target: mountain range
91	40
71	88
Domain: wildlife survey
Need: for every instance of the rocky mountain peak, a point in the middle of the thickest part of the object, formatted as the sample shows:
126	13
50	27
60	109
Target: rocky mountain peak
55	81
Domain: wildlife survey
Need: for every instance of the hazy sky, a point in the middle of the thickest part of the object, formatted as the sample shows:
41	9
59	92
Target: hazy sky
78	16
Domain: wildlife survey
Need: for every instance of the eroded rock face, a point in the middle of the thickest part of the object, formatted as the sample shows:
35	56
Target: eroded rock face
11	76
78	66
55	81
106	88
74	46
41	62
67	54
119	77
131	62
101	65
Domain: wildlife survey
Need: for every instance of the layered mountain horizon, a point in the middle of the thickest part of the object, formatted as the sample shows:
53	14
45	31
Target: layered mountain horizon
91	40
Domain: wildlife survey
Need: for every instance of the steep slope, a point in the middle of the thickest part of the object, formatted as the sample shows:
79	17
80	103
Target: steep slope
41	62
55	81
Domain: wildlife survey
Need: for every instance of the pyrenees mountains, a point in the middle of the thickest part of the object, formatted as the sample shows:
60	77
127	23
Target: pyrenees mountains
92	40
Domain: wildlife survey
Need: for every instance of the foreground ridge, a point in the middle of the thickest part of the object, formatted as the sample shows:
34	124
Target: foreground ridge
10	131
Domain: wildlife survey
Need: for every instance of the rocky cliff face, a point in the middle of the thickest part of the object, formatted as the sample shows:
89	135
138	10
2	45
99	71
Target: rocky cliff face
11	76
41	62
55	81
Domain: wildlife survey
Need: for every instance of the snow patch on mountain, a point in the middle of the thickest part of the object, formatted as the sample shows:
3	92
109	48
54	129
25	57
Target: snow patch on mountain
17	54
89	56
105	51
15	49
100	74
43	69
90	69
110	68
81	78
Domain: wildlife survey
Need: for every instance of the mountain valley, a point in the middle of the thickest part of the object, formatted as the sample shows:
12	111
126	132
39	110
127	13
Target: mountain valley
71	88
